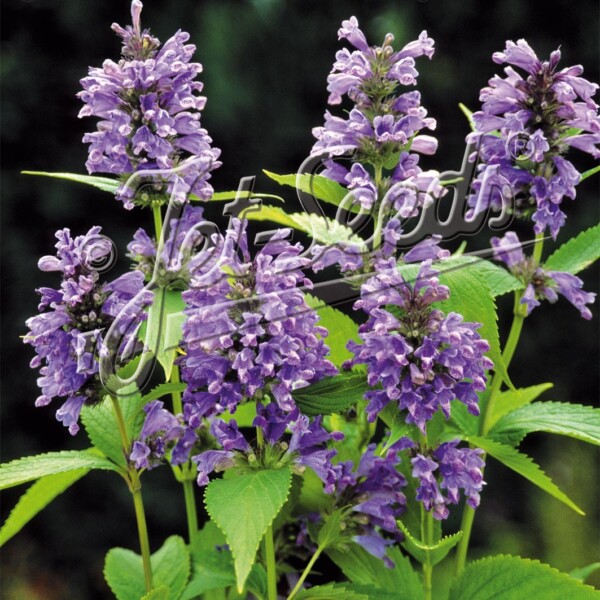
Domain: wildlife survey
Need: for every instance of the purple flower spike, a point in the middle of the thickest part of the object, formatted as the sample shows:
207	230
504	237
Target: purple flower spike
421	358
149	106
524	128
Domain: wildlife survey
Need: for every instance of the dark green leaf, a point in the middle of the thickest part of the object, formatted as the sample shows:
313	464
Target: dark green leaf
243	507
510	400
331	394
36	498
576	254
515	578
573	420
162	389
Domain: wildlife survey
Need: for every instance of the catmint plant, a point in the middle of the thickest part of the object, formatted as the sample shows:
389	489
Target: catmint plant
300	435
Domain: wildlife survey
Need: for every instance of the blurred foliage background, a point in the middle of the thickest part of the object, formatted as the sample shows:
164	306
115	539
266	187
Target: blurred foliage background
266	63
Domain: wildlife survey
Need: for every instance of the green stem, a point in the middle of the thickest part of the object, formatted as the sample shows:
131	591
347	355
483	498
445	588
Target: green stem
135	487
157	221
269	554
538	247
305	573
378	220
427	566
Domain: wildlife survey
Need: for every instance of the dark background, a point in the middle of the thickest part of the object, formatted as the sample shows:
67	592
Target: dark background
266	63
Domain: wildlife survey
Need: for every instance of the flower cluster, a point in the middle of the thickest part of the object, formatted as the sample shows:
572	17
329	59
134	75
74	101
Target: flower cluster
539	283
149	108
180	252
68	337
249	332
372	490
525	127
306	446
421	358
451	469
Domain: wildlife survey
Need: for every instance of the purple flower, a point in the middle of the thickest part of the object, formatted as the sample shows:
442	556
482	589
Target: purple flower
68	334
149	108
305	447
538	283
451	469
415	355
249	331
535	118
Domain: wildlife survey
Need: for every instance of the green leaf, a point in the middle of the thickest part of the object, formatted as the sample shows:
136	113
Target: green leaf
30	468
523	465
244	507
396	423
463	419
362	568
573	420
334	591
331	531
428	553
469	114
124	571
162	389
510	400
331	394
163	329
340	326
101	425
515	578
312	498
106	184
36	498
160	593
582	573
318	186
576	254
470	296
223	196
322	229
589	173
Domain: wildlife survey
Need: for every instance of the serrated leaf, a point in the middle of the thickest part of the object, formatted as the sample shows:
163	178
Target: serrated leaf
244	507
562	418
322	229
106	184
523	465
164	327
582	573
124	571
331	530
160	593
396	423
101	425
340	326
318	186
467	423
576	254
35	499
223	196
428	553
470	296
362	568
162	389
333	591
331	394
510	400
30	468
515	578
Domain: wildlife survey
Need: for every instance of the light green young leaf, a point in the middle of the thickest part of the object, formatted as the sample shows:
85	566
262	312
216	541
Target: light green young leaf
224	196
432	553
469	114
106	184
340	326
322	229
243	507
576	254
582	573
101	425
562	418
162	389
333	591
361	568
35	499
589	173
124	571
330	533
30	468
510	400
319	186
514	578
523	465
331	394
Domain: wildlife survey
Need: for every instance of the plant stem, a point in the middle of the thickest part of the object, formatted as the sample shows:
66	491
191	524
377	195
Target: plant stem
427	566
269	554
305	573
157	221
135	487
378	221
